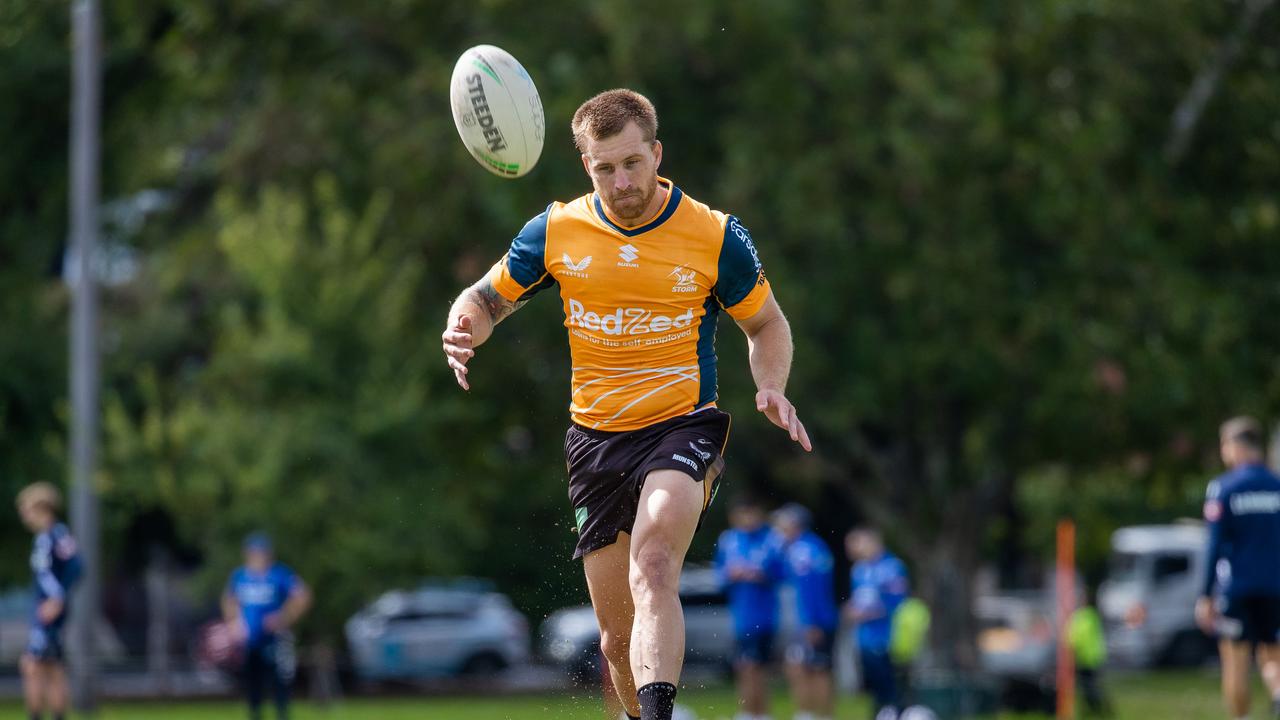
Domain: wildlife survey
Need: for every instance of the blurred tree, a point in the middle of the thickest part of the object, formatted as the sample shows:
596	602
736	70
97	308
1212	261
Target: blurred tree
1008	305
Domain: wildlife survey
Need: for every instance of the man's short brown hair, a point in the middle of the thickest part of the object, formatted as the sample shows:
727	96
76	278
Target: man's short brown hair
1244	430
606	114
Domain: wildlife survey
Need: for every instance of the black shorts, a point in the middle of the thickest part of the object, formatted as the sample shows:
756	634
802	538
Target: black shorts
44	642
1251	619
755	647
814	654
607	470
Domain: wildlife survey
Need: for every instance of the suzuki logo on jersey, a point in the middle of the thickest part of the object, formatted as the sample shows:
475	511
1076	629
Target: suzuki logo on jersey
628	253
684	280
576	269
626	321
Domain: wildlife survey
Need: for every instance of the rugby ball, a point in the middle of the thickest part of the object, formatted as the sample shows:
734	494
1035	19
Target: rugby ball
497	111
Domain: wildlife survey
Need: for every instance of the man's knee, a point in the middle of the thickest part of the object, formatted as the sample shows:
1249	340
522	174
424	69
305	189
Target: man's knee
616	646
655	572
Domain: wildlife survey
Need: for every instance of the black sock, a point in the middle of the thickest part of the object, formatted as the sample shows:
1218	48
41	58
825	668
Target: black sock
657	701
35	714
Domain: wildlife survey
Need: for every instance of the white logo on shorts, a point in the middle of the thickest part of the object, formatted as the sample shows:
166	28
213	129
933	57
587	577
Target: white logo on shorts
686	461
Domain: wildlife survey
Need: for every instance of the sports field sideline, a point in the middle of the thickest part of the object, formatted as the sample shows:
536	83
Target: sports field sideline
1183	695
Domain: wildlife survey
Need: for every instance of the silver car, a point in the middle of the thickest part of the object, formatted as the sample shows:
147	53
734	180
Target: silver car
571	636
442	629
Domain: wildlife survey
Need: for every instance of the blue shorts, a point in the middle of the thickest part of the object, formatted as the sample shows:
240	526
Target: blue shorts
813	655
44	642
754	647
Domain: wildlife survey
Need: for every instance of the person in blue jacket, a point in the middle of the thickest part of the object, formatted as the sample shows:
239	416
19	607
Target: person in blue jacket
1242	509
263	599
878	585
809	569
55	565
749	565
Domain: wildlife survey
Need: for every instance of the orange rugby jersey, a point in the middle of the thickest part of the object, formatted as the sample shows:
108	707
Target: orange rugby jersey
640	303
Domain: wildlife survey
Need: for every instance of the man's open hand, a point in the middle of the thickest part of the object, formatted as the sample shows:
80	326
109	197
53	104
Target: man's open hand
782	413
459	348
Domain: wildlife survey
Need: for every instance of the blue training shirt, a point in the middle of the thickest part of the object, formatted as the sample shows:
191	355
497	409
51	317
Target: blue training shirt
753	603
259	594
810	573
1242	508
55	564
878	587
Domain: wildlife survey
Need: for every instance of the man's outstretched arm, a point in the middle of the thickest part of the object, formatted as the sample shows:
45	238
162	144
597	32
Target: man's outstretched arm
769	345
471	321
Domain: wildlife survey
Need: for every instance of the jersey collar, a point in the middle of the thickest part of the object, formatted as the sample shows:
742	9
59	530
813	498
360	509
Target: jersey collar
668	209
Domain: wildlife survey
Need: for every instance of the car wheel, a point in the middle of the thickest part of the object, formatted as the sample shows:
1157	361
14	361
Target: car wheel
1189	648
587	670
485	663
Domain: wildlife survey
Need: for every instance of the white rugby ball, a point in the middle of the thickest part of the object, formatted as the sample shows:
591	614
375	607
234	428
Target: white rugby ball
497	111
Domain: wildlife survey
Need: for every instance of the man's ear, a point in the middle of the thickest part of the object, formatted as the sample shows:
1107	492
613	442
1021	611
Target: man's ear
657	154
586	164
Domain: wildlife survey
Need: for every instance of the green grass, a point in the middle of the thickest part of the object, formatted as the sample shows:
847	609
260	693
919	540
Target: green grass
1176	695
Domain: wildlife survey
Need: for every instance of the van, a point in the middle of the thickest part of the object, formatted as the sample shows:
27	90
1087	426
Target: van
1148	599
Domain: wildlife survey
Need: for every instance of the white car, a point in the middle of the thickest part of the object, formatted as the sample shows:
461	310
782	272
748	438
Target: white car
1148	599
571	636
461	628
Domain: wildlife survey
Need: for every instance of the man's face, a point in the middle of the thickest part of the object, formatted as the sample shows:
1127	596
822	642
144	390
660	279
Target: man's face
746	517
624	171
257	559
35	517
862	546
787	528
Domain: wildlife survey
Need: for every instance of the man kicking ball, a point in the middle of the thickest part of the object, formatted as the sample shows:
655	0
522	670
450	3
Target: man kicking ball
644	271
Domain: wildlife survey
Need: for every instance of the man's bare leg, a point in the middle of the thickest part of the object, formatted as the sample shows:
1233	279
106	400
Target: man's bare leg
751	688
797	686
55	685
32	684
822	697
1235	677
1269	666
670	505
608	570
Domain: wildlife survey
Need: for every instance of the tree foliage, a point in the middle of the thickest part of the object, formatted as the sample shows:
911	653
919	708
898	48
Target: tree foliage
1006	300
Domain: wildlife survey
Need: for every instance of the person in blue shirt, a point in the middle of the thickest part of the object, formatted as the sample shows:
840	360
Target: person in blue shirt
55	565
749	565
878	585
263	599
1242	509
809	569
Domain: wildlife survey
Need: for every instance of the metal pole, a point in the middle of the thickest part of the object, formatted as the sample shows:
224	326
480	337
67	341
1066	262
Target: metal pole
86	90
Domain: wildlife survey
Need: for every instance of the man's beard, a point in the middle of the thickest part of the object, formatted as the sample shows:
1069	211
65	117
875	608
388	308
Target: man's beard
636	201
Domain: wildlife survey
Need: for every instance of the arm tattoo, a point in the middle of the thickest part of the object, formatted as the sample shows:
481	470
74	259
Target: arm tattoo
498	307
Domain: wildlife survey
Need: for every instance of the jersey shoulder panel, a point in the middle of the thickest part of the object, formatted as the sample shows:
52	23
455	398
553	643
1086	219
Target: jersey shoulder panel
741	286
523	270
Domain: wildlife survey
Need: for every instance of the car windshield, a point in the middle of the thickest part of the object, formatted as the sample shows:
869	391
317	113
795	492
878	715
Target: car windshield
1124	567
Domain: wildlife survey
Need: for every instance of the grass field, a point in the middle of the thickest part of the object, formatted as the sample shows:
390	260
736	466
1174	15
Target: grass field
1173	696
